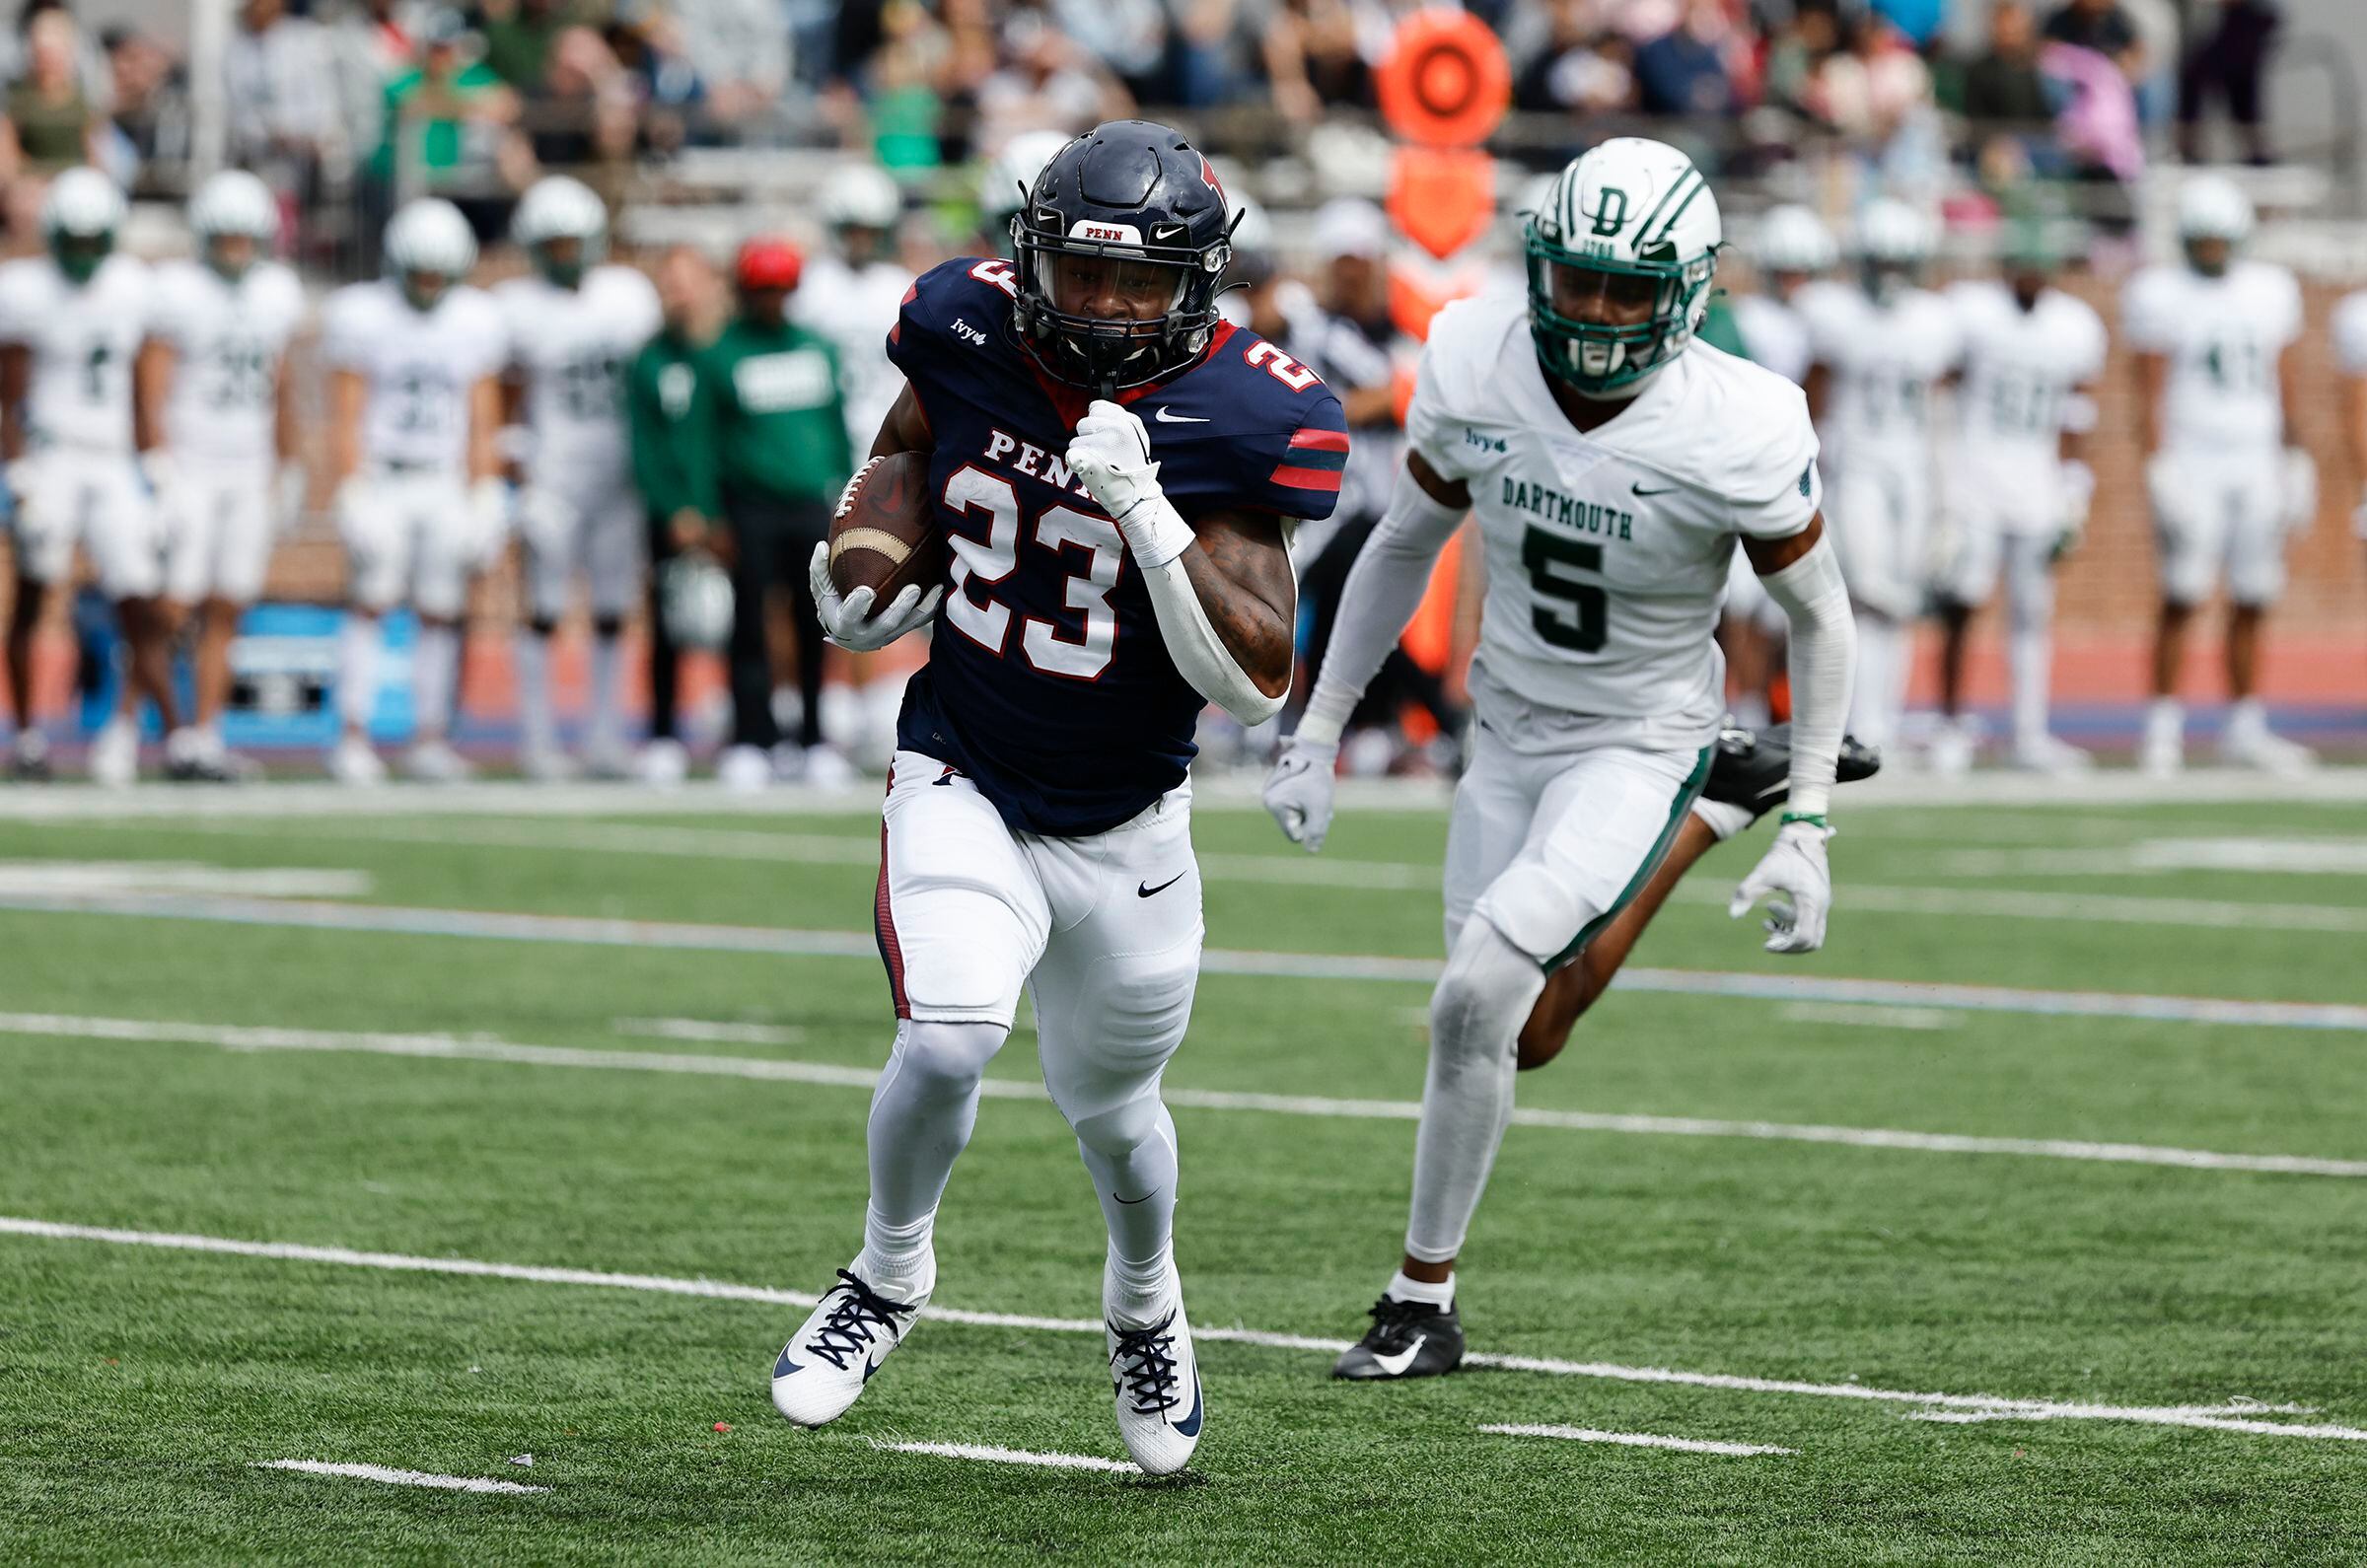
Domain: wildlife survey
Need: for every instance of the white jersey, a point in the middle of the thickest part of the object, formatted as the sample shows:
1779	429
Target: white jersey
2351	334
419	367
1774	334
573	346
82	338
854	309
228	338
1607	549
2021	370
2223	338
1885	358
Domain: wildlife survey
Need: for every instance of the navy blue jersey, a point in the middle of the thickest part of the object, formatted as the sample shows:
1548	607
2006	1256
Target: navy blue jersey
1048	681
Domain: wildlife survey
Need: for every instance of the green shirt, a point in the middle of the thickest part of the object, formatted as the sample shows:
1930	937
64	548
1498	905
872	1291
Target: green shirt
439	144
771	418
660	396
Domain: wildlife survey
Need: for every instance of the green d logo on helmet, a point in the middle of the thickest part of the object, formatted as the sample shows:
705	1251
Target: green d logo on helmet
1620	256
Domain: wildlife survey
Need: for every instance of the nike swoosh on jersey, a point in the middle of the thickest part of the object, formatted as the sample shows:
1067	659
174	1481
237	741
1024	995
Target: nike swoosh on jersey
1143	890
1396	1365
1167	416
1637	489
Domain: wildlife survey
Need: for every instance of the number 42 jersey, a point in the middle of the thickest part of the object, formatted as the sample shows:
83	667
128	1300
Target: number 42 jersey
1048	681
1607	549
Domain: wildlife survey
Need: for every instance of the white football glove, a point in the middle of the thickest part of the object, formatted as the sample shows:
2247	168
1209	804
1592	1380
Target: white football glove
2297	494
2078	489
2165	489
1298	790
545	521
848	620
1111	455
288	491
1797	883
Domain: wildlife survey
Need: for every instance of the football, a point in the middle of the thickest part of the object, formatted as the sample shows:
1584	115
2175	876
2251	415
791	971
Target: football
885	534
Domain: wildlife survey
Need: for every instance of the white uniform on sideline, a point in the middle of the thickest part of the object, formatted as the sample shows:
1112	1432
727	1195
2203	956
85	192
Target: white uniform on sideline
2350	355
79	482
221	421
1775	333
406	516
853	309
2022	368
1598	684
2223	428
573	346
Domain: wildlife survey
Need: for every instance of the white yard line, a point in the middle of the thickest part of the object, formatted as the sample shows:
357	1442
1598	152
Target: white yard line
2084	908
717	1290
793	943
395	1478
1917	1018
1636	1440
989	1454
712	1030
452	1048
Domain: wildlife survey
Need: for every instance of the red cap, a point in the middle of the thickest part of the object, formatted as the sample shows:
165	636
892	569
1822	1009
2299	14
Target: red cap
767	263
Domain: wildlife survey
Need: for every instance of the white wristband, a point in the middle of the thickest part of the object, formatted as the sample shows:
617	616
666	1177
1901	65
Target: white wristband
1155	532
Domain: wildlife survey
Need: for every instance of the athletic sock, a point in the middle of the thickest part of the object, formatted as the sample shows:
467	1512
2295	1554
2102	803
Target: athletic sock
607	733
1476	1016
2029	654
536	731
1136	1183
1440	1294
898	1260
433	665
357	670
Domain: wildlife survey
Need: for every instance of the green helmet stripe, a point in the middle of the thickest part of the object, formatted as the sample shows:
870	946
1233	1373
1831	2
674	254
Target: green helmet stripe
1668	227
1691	174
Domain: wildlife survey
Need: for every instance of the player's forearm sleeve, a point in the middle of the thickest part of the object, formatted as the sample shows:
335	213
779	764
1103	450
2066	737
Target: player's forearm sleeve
1384	589
1201	654
1824	660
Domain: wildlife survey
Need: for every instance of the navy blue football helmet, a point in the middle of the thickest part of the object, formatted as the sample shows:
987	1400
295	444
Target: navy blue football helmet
1121	249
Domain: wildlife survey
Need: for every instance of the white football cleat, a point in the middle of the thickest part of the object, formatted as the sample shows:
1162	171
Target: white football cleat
664	763
545	764
116	756
2162	754
1952	750
2044	753
826	768
744	767
826	1363
436	762
355	761
1156	1378
2265	752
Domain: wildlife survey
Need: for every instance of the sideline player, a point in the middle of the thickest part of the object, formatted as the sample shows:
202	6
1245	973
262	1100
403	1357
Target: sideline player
1881	351
415	406
1613	461
1037	823
2031	356
214	380
2350	357
71	324
2216	383
571	326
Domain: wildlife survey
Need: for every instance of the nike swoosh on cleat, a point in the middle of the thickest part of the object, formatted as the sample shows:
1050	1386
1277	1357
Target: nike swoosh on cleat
868	1367
784	1366
1143	890
1167	416
1189	1426
1396	1365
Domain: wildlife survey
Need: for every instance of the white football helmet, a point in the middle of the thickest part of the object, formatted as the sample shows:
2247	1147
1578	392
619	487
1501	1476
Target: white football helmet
2210	208
1791	238
861	196
1010	177
429	238
561	207
233	205
1894	241
79	219
1621	258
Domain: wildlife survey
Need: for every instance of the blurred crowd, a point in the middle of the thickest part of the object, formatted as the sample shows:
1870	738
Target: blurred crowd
344	104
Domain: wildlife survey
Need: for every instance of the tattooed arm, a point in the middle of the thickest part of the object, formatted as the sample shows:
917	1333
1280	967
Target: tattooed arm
1240	574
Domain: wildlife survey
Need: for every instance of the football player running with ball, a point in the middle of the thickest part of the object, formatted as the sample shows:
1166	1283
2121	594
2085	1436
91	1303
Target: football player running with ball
1613	461
1115	469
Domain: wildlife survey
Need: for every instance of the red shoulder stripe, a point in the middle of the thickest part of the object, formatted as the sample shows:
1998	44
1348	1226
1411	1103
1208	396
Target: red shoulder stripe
1298	478
1310	439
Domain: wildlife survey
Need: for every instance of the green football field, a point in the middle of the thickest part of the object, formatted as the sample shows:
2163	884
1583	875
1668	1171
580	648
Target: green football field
2026	1223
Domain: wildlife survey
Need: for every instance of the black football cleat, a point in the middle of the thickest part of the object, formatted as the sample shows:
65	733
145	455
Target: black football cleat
1754	767
1407	1339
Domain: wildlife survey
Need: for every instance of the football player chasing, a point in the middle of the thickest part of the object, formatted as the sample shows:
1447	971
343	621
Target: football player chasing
572	325
1613	462
71	325
214	380
415	406
1116	470
2213	335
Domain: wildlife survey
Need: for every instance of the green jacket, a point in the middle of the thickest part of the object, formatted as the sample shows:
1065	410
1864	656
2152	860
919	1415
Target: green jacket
660	400
770	417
